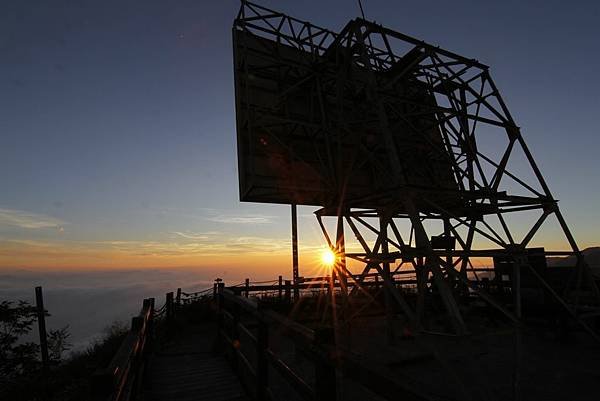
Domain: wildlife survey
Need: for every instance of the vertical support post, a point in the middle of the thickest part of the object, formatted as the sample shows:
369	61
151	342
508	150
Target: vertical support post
169	306
150	329
41	316
219	286
220	289
516	288
341	258
465	259
383	228
247	285
325	377
288	291
295	251
280	288
262	369
449	249
422	278
341	320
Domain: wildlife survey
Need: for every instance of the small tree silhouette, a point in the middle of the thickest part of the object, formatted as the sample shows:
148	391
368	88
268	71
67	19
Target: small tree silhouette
58	343
16	358
19	357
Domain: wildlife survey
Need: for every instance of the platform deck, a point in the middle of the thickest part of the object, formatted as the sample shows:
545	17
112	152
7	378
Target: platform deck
185	368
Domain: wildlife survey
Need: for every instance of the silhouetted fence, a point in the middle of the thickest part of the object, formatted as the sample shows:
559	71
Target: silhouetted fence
306	286
121	380
245	328
247	331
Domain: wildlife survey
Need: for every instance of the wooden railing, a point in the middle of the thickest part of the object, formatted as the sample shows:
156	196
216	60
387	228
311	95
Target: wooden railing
244	328
283	289
122	378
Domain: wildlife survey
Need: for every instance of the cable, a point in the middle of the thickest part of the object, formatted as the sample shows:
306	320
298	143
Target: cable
362	12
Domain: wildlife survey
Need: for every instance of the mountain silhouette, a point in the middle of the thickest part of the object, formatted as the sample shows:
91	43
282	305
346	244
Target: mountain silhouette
592	257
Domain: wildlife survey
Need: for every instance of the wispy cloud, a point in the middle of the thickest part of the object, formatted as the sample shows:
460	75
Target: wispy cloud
214	246
216	215
23	219
28	242
220	249
241	219
191	235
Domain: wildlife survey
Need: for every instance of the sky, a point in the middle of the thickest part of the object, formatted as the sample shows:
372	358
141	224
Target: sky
117	124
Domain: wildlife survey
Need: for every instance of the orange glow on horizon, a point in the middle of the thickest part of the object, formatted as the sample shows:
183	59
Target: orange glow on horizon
253	257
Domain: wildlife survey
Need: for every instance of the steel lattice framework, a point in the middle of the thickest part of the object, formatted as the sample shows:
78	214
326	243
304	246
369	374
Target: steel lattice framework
403	140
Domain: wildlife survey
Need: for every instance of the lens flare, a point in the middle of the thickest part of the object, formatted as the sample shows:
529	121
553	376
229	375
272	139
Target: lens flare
328	257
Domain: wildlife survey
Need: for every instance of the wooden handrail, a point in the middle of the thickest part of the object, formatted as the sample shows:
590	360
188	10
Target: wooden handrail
251	306
231	305
315	282
318	346
120	379
314	286
292	377
116	382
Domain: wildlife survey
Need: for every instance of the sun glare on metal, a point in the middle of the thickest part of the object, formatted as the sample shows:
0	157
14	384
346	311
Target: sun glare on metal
328	257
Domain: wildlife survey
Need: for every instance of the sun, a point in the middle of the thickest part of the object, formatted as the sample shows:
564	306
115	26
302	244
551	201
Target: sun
328	257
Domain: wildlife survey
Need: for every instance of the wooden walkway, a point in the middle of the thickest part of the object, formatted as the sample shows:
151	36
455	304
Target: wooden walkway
185	368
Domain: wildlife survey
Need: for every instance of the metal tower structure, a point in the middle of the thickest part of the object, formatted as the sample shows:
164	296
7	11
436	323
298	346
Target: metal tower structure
410	148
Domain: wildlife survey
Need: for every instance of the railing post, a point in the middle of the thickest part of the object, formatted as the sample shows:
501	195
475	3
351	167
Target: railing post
216	289
150	328
325	376
41	316
295	274
262	368
143	326
247	287
169	306
288	291
280	288
219	287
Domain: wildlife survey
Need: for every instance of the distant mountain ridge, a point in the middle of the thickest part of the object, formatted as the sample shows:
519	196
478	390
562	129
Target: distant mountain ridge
591	255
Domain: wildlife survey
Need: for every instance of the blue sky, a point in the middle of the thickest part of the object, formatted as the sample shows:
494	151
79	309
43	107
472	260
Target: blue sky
117	118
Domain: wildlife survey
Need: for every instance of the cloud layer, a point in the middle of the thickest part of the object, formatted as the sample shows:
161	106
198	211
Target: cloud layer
28	220
241	219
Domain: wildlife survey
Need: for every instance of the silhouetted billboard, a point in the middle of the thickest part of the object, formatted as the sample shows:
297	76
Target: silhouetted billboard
326	127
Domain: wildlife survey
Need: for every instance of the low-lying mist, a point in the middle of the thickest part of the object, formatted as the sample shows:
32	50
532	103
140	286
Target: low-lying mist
89	301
